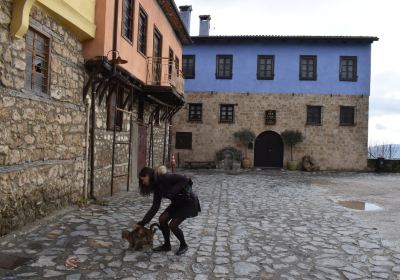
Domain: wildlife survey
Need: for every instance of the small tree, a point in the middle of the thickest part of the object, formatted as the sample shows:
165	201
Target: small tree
291	138
244	137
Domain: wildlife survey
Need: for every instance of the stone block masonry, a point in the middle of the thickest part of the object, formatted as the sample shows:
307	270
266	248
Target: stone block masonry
42	139
333	146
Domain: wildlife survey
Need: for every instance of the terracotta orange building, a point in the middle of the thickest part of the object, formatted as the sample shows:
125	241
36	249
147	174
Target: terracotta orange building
134	82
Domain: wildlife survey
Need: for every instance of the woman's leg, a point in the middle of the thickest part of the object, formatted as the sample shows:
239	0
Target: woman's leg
174	226
163	220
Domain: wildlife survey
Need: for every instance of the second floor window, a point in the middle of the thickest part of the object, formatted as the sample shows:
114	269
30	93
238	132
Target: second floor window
348	68
265	67
195	112
314	115
37	62
127	19
142	34
170	63
188	66
227	113
347	115
308	67
224	67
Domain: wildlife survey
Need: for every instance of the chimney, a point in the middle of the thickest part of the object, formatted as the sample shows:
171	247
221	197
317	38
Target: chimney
205	25
186	12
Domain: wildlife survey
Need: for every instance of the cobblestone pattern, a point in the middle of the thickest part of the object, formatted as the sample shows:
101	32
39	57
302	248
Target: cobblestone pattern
328	143
270	225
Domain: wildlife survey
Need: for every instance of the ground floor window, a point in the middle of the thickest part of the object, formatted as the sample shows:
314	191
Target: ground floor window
183	140
227	113
347	115
314	115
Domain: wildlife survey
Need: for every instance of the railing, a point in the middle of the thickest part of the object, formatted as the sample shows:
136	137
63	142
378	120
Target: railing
163	72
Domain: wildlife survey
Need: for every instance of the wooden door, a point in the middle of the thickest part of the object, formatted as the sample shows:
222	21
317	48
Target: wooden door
268	150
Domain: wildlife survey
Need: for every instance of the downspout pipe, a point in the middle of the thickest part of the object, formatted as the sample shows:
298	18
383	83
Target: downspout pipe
115	33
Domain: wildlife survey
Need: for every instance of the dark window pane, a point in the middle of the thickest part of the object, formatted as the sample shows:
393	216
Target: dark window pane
314	115
308	70
183	140
127	19
142	36
347	115
227	113
348	68
188	66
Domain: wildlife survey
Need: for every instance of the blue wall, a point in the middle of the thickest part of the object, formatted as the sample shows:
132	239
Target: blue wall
287	59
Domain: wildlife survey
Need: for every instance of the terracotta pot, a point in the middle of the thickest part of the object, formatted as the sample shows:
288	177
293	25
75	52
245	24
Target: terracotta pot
292	165
246	163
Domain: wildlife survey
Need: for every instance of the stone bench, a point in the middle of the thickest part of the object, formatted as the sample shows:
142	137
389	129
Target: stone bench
200	164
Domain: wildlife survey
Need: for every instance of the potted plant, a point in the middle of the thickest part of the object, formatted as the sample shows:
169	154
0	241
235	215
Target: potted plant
244	137
291	138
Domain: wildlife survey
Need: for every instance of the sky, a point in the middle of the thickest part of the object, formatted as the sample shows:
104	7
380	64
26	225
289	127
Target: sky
324	17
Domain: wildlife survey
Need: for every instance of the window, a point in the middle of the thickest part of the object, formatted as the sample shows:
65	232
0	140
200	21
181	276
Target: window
183	140
157	56
195	111
348	68
115	116
308	67
177	65
170	63
346	115
37	62
226	114
265	67
127	20
142	33
224	67
314	115
188	66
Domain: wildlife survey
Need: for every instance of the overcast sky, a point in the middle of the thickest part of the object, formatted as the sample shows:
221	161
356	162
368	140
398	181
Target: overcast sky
324	17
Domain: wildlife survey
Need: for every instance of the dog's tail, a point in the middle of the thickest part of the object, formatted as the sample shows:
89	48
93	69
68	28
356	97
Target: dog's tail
153	227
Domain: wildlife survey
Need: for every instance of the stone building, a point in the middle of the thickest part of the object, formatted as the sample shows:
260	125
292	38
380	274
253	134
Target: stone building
84	87
318	85
42	116
135	82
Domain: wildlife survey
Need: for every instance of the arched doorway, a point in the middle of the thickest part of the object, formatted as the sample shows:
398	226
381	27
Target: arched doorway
268	150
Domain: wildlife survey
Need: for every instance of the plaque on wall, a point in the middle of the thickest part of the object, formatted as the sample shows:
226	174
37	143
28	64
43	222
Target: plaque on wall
270	117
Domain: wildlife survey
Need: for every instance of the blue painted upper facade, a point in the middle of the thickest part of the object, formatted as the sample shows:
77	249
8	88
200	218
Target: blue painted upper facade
286	69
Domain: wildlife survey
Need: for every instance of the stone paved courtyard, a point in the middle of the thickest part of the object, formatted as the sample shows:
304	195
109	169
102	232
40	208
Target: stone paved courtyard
257	225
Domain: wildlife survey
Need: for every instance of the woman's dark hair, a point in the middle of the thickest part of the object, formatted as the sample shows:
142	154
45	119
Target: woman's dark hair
146	190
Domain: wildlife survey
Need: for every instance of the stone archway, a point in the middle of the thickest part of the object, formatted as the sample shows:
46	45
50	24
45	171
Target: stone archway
268	150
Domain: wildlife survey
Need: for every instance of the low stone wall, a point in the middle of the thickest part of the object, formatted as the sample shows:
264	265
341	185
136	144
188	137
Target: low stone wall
390	165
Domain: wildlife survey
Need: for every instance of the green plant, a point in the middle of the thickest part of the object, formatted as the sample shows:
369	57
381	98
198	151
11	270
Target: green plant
244	137
237	155
291	138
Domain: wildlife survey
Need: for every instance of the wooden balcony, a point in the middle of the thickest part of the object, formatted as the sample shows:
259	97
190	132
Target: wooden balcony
164	73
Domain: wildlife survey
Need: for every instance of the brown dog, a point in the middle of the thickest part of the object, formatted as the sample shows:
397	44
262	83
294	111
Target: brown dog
140	237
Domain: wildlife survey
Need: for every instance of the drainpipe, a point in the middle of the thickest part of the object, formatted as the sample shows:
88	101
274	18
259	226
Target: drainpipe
115	33
88	102
92	141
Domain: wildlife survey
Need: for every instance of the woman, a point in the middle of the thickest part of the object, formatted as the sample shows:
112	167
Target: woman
184	204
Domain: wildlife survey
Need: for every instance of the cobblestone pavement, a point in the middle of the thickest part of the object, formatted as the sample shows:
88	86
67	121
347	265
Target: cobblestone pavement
260	225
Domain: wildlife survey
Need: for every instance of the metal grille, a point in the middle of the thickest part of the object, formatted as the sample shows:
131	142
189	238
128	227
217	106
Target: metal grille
226	113
195	111
37	62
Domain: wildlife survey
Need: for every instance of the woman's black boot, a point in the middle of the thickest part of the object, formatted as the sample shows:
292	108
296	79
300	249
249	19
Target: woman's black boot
162	248
182	249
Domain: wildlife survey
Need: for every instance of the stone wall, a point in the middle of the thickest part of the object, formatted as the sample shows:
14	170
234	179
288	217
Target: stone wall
334	147
103	149
42	137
